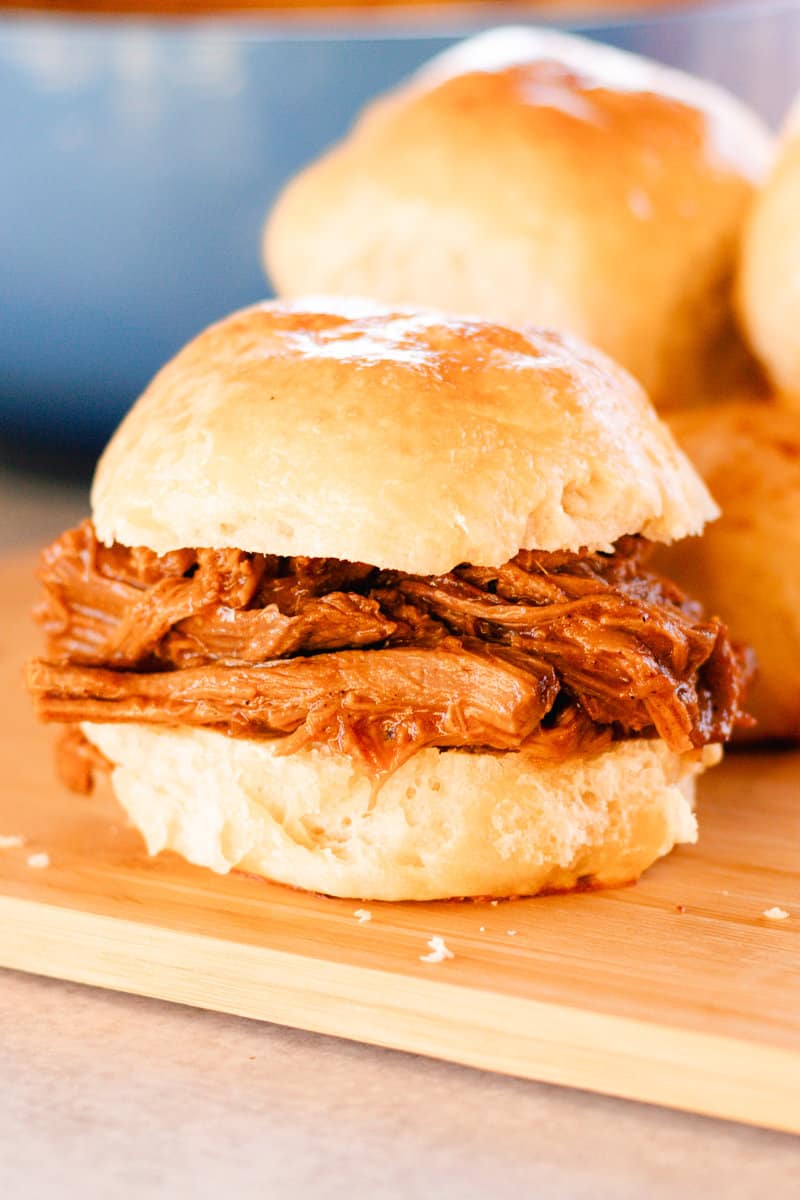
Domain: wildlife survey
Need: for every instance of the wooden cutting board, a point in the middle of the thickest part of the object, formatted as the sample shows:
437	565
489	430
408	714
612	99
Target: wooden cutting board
677	991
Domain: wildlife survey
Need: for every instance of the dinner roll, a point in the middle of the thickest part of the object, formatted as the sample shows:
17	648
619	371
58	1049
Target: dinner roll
533	176
746	566
769	279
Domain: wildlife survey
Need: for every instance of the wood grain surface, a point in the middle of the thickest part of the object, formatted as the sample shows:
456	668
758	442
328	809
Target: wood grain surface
677	991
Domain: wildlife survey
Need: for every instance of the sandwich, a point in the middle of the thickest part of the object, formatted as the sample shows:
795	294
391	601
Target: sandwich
364	607
530	176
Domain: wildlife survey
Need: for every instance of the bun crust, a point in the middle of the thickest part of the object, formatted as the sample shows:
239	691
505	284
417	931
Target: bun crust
406	440
446	824
530	176
769	279
738	134
744	568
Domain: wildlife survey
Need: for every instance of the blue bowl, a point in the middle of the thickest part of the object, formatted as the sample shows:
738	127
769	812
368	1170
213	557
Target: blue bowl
140	157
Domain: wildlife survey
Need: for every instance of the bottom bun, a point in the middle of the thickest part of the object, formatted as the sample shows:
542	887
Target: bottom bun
446	824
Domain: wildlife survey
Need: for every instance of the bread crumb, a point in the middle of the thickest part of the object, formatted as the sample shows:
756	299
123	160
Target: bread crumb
439	951
39	860
495	903
511	932
362	915
11	841
483	929
775	914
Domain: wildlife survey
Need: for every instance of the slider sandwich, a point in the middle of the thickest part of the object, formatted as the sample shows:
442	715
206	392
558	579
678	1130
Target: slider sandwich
364	607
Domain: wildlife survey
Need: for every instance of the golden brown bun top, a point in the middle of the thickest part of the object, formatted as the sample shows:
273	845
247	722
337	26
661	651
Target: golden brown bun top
558	66
532	176
405	439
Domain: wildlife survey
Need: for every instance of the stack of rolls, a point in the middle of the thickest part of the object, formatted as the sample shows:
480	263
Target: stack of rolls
529	175
747	566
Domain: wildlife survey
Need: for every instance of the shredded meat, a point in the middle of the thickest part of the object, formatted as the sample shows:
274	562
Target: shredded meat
554	652
77	760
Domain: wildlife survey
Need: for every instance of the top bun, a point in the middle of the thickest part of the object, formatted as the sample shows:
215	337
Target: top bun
528	175
404	439
769	280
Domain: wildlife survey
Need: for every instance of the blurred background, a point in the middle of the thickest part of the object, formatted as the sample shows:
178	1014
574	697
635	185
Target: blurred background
142	144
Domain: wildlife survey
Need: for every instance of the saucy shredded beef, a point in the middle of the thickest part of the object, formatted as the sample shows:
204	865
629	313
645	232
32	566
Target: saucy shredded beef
558	653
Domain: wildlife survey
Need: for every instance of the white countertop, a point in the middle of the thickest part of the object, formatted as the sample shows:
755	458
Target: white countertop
105	1095
109	1095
